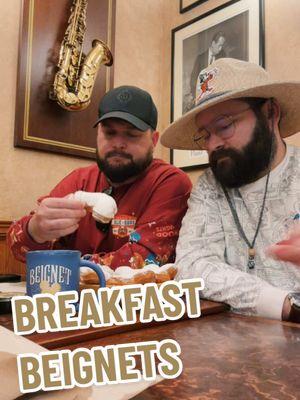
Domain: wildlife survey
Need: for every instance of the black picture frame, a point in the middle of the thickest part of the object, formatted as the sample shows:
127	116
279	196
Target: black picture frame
187	5
242	23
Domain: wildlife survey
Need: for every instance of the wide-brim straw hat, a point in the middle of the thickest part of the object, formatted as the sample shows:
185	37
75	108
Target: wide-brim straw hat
228	79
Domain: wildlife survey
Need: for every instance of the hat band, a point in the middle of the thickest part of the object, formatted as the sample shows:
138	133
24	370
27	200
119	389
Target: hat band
212	96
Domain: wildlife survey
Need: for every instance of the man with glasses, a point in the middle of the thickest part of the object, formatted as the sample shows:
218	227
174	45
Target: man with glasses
240	233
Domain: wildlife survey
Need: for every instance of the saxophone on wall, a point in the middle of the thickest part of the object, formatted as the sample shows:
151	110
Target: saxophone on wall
77	72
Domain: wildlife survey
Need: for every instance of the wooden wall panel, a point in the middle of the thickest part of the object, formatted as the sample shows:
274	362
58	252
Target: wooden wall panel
41	123
8	264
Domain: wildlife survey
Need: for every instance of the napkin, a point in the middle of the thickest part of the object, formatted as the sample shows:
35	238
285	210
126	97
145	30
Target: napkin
9	382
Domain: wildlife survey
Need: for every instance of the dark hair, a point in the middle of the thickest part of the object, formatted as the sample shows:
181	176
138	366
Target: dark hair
256	103
217	36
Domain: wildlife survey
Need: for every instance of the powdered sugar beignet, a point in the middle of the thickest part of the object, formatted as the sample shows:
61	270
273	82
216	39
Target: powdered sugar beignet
102	206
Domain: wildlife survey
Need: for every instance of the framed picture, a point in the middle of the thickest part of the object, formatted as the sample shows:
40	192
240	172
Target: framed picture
186	5
234	30
40	122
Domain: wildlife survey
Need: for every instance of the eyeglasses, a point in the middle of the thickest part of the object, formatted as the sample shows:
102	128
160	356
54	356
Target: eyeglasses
223	126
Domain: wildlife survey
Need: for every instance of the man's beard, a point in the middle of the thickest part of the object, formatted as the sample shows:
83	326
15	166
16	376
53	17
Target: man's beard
241	167
122	172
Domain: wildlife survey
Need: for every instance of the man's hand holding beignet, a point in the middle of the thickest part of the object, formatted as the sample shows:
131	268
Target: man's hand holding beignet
288	249
54	218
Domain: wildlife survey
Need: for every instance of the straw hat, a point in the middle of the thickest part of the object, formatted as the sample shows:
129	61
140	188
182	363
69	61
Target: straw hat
228	79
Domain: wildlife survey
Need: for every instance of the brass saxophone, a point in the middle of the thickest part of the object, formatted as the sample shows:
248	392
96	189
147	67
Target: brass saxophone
77	72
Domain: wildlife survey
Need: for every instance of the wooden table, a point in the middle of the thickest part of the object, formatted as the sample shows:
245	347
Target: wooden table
224	356
75	338
229	357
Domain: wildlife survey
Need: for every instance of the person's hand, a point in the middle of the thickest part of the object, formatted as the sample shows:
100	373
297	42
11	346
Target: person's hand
55	218
288	249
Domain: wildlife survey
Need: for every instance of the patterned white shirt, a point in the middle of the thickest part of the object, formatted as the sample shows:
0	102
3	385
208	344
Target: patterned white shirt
211	247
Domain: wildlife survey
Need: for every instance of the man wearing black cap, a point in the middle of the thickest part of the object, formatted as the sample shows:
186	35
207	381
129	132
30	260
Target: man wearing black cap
151	195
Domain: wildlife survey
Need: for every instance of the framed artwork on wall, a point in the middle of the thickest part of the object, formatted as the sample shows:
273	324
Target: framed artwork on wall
186	5
40	122
234	30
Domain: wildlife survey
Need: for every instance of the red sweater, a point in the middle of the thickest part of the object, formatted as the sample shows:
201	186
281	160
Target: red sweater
144	230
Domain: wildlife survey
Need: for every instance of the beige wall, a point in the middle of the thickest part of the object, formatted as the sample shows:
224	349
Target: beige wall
143	58
25	174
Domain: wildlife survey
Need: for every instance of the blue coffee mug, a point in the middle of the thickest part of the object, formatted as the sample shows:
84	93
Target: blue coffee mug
51	271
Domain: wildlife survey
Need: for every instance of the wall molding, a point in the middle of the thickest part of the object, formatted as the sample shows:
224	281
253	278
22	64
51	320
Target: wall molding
8	264
4	225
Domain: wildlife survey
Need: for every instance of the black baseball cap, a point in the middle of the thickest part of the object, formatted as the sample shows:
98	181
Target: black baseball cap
131	104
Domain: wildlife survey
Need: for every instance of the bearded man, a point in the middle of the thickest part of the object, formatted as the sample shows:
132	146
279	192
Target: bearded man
151	195
247	202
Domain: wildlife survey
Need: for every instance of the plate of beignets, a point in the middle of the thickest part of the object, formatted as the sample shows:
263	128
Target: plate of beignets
125	275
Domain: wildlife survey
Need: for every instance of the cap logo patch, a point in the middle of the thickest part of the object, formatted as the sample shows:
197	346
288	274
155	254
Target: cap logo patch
124	96
204	84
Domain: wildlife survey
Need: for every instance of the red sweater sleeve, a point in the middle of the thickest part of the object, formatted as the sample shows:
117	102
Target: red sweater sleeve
161	203
18	238
155	236
20	242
